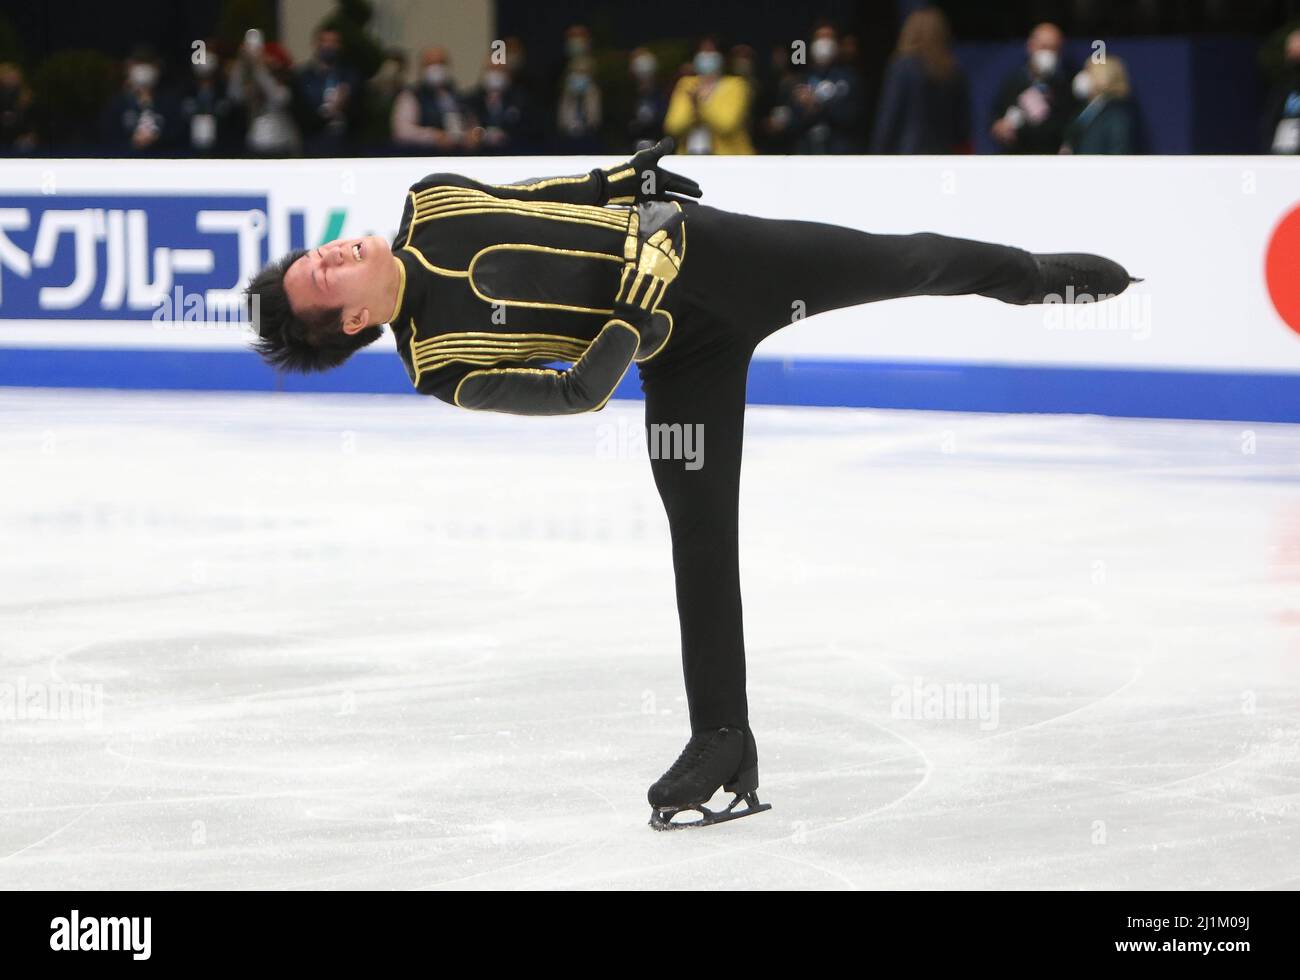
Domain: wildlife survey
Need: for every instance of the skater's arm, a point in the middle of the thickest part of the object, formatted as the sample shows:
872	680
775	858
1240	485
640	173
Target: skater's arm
651	262
588	188
585	387
639	179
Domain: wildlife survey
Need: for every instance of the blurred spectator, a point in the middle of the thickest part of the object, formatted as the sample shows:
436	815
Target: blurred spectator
1282	118
517	61
578	118
577	41
925	104
17	134
381	91
851	50
430	114
503	112
1108	122
577	44
774	100
207	118
1034	104
708	111
826	106
741	61
139	121
261	81
649	105
329	92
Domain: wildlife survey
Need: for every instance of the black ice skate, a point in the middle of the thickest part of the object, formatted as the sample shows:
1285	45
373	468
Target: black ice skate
726	757
1068	276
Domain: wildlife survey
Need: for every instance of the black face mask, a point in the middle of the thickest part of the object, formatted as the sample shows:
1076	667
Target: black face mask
328	55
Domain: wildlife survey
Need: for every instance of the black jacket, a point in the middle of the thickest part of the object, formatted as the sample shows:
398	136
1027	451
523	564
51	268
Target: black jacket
499	281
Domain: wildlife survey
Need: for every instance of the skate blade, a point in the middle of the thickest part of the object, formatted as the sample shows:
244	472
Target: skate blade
661	818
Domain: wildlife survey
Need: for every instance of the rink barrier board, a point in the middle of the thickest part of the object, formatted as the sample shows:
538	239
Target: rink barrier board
101	262
1253	396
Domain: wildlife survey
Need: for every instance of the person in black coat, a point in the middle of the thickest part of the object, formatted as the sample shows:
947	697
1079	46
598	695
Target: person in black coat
141	120
1034	103
1282	118
826	105
502	113
925	103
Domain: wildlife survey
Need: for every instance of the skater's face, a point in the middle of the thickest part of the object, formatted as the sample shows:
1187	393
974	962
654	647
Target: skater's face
340	275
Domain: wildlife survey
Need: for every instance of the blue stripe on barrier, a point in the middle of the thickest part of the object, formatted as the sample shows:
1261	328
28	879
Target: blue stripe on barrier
1258	397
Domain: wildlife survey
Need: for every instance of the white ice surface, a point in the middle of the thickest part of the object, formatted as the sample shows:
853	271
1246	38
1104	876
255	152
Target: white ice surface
358	641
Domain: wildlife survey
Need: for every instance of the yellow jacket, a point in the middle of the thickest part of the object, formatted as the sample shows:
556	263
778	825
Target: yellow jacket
724	112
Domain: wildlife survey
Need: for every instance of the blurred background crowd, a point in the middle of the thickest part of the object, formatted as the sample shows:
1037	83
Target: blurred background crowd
873	76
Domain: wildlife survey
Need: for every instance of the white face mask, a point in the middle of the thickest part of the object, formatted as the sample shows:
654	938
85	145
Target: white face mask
496	81
142	76
1082	86
436	74
824	50
708	62
643	66
1043	61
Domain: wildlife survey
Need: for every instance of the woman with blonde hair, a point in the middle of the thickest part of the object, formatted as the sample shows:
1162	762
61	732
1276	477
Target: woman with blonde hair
1108	122
925	102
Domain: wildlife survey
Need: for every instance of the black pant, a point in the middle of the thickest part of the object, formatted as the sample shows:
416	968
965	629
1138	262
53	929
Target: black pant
742	279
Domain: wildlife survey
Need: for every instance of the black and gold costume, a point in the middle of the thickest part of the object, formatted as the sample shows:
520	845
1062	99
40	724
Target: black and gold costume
501	281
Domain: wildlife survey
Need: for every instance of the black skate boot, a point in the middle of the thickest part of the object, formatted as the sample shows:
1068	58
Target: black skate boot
726	757
1067	276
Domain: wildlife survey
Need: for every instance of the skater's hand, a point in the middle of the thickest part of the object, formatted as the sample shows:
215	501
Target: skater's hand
642	179
649	266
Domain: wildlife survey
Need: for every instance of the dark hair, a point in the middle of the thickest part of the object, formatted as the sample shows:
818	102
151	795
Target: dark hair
291	340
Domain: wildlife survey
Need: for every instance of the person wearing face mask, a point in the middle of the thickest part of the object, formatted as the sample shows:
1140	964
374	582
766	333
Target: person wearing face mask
826	105
501	112
379	93
1108	121
327	91
1282	117
430	115
578	116
649	104
205	109
140	121
261	85
709	111
1034	103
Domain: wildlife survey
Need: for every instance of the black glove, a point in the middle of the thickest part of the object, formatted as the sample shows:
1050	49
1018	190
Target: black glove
642	179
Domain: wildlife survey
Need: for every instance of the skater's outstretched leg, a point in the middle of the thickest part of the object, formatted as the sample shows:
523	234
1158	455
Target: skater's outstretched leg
778	271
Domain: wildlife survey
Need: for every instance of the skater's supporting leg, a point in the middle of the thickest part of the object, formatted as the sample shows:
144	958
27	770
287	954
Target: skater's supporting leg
700	404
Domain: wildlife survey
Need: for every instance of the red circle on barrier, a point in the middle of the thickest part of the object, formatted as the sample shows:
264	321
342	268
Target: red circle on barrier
1282	268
